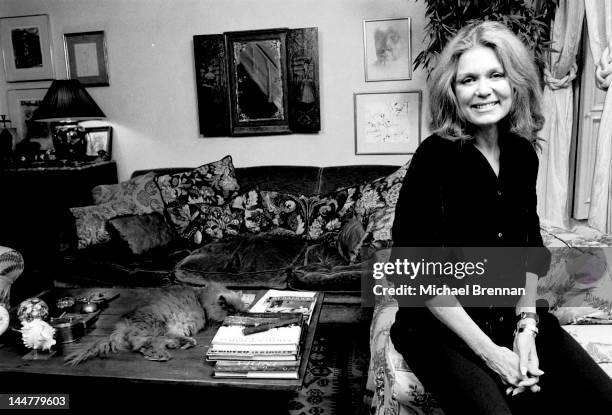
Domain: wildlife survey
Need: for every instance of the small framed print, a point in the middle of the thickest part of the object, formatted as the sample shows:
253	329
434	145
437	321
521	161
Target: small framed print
387	49
26	48
99	142
22	104
387	122
86	58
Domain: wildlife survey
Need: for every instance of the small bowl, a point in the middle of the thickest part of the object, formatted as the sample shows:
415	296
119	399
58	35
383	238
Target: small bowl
90	307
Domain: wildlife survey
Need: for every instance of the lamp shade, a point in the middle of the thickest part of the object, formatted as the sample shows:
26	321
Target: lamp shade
67	100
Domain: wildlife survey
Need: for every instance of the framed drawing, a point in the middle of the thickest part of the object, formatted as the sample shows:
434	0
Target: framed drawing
387	122
99	142
22	103
86	58
26	48
387	49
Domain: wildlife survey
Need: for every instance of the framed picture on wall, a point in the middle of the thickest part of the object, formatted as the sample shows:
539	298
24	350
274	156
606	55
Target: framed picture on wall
99	142
26	48
86	58
387	122
21	104
387	49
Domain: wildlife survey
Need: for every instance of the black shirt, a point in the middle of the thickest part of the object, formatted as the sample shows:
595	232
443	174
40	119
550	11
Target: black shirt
452	197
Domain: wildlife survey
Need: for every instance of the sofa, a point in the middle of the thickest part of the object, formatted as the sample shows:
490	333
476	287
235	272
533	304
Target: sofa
281	227
577	290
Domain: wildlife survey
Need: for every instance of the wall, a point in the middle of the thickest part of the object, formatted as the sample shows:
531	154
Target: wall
152	103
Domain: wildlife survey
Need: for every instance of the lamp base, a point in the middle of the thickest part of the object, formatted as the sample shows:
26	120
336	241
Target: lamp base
69	142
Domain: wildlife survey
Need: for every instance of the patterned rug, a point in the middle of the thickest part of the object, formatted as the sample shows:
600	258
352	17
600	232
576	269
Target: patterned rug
336	374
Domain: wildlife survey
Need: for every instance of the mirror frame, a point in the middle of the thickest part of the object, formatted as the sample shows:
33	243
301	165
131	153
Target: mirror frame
257	127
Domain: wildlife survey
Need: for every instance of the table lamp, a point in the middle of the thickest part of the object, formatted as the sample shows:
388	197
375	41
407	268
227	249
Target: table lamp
67	102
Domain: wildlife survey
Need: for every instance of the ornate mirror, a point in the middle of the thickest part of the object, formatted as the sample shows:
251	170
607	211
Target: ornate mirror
258	82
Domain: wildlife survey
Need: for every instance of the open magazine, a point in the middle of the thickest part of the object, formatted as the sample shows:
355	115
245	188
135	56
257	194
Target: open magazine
283	301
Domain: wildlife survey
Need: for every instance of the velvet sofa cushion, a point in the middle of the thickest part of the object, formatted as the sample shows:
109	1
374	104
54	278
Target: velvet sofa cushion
323	269
140	190
142	233
184	194
247	261
108	266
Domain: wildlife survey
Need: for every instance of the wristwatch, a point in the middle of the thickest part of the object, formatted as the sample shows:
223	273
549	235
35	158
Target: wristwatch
527	314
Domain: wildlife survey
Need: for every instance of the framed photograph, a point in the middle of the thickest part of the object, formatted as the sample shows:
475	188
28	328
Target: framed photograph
387	49
22	103
86	57
26	48
387	122
99	139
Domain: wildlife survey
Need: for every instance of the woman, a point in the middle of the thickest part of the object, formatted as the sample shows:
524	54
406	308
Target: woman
472	183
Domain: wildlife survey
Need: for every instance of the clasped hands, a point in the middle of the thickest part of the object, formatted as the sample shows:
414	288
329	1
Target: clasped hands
519	368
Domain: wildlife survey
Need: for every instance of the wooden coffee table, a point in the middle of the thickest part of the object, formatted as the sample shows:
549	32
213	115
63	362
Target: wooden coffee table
187	367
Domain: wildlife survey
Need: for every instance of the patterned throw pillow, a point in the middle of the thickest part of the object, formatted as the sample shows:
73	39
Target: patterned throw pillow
91	220
212	184
285	211
140	190
376	208
256	218
327	214
213	222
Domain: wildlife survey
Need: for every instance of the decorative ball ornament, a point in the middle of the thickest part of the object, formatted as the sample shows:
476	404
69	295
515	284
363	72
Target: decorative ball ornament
4	319
32	309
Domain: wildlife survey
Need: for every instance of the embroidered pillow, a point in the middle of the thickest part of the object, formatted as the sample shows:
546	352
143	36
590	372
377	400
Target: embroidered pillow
256	217
327	214
91	221
183	193
140	190
285	211
376	208
142	233
212	223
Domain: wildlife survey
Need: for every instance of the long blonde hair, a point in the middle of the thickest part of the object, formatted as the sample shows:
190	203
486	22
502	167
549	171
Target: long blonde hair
525	118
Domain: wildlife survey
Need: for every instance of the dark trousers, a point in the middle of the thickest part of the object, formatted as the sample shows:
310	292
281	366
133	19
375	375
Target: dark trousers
462	383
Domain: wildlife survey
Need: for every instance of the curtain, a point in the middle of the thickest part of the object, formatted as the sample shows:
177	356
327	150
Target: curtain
553	174
599	23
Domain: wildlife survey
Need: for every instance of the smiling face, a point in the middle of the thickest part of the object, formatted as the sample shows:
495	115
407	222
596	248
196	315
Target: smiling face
481	87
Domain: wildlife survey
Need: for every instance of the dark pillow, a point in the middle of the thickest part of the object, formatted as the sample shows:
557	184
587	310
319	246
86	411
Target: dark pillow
142	233
212	184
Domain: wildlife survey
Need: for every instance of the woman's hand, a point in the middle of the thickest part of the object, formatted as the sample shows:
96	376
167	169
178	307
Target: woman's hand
525	348
505	363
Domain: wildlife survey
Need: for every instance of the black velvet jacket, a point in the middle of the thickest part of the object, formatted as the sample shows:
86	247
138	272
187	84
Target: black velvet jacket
451	197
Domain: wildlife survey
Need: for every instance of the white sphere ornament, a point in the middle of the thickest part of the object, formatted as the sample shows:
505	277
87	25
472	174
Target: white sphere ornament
4	319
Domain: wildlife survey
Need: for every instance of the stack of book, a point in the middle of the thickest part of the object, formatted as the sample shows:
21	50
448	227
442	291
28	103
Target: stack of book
266	341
